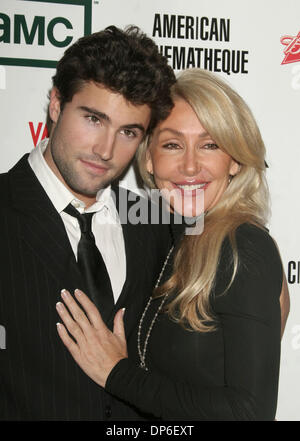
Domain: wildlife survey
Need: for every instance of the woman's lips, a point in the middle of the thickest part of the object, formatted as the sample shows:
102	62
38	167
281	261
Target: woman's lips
190	188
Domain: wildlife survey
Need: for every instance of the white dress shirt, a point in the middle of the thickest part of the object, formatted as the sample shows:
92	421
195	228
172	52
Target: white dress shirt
105	223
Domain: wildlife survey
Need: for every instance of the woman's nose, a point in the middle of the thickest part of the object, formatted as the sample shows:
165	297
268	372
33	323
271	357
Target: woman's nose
191	163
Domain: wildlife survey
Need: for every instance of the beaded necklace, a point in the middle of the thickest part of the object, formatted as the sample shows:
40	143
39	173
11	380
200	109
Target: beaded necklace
142	352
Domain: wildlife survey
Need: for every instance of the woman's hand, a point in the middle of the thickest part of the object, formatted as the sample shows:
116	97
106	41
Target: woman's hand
96	349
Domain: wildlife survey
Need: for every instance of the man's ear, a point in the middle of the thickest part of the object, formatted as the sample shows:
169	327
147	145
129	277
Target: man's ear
54	105
149	164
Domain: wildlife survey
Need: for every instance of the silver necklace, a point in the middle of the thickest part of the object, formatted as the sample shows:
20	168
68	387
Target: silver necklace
142	352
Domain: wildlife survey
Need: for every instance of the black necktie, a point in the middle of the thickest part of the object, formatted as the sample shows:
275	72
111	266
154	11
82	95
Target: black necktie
91	264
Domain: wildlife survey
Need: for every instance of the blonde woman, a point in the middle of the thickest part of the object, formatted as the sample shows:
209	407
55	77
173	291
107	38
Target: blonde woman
207	346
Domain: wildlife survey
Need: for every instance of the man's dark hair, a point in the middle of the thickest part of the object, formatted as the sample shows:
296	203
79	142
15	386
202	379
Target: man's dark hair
127	62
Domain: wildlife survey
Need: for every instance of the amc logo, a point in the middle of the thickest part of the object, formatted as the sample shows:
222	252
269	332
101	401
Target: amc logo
32	29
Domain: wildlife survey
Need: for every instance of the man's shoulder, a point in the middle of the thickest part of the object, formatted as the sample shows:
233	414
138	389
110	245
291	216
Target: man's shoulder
4	187
13	179
4	178
21	166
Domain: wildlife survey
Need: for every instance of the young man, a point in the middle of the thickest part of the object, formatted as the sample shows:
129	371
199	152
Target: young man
110	89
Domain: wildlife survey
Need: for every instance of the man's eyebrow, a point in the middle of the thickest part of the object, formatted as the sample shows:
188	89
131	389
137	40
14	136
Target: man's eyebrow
134	126
96	112
105	117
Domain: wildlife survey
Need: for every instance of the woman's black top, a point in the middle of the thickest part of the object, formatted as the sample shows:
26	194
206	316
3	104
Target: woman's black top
229	374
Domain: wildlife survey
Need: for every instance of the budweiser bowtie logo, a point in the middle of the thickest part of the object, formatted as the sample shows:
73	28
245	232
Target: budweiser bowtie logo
292	51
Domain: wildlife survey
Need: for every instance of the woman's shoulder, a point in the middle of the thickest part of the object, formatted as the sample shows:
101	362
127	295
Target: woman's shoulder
252	233
258	254
258	278
255	241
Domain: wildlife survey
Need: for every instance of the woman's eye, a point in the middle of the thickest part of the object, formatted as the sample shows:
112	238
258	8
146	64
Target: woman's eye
210	146
170	146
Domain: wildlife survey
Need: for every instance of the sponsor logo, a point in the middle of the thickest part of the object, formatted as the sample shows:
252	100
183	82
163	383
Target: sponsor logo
292	50
31	30
293	272
191	41
38	132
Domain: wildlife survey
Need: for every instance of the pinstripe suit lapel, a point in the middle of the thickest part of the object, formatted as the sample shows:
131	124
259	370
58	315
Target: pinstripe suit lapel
43	232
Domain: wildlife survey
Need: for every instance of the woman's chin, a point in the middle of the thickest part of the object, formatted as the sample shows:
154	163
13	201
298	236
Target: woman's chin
184	206
192	208
187	212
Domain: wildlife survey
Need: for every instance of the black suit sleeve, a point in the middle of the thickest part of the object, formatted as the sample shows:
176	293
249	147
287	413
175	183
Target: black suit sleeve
249	319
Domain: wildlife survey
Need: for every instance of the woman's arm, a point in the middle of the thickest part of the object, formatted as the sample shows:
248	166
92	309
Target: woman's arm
284	304
250	324
94	347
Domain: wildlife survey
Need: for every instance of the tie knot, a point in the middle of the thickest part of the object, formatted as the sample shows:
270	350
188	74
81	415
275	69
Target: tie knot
85	220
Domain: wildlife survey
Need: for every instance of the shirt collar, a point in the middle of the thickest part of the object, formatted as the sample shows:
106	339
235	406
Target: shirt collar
60	195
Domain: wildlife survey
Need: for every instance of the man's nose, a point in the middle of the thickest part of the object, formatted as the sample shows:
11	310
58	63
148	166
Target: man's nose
104	146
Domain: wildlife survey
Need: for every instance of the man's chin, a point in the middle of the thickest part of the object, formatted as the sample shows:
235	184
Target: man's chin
90	193
90	186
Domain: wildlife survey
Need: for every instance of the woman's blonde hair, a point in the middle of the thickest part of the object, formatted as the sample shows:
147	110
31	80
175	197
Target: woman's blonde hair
230	123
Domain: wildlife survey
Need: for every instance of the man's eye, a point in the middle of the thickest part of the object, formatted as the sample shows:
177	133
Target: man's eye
129	133
93	119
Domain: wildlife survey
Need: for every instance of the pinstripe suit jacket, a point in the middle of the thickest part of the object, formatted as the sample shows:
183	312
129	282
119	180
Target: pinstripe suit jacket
39	380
